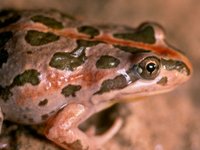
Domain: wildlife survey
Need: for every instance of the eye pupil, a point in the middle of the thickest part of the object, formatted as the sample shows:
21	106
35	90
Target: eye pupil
151	67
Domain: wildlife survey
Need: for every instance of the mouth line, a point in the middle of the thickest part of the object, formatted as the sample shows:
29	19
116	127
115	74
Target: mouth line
144	94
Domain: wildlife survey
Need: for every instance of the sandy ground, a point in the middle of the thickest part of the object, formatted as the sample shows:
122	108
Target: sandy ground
165	122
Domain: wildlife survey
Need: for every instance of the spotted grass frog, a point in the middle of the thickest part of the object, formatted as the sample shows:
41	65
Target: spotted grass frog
58	71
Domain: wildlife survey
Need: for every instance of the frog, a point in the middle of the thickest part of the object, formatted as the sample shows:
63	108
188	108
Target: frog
58	71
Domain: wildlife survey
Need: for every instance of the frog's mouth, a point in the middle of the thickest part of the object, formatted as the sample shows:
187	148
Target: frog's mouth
128	97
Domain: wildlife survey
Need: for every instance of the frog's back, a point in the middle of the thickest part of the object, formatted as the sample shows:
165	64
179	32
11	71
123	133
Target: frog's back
31	80
40	54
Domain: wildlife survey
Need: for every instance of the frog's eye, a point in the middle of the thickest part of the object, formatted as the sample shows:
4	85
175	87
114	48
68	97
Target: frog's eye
149	68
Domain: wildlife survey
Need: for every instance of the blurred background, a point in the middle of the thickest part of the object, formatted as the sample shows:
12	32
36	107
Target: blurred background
165	122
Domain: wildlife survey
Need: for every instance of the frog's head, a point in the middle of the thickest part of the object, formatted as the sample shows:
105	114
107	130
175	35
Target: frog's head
151	74
161	68
148	66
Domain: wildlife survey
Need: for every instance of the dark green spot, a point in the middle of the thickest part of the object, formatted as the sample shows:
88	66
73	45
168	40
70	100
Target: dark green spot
162	81
106	62
70	90
5	93
29	52
133	50
28	76
45	116
36	38
70	61
4	37
119	82
86	43
43	103
8	17
66	61
176	65
89	30
3	56
144	34
50	22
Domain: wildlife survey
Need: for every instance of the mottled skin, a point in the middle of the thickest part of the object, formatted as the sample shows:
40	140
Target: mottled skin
57	71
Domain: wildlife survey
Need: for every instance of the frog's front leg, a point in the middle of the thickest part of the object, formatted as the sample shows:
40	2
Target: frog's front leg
63	129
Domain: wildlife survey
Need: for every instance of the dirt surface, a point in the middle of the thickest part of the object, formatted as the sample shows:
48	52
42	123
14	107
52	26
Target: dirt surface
165	122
